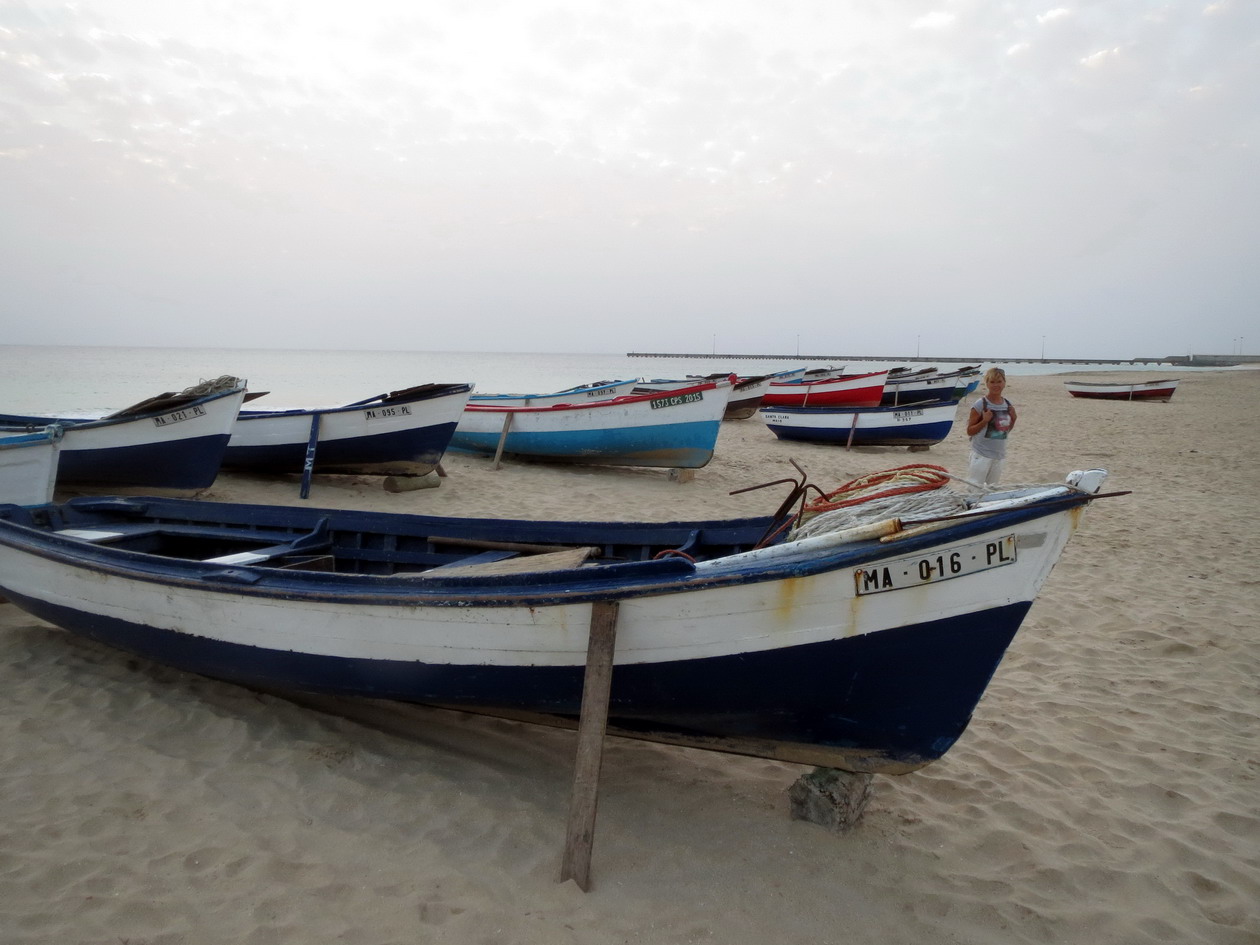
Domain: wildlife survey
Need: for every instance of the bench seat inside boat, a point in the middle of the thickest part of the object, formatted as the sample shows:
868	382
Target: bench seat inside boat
267	548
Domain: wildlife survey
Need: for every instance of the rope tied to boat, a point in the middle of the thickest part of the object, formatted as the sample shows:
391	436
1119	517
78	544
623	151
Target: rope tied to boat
900	480
216	385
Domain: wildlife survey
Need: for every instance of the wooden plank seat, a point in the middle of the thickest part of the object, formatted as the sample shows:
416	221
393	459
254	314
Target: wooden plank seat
510	563
317	540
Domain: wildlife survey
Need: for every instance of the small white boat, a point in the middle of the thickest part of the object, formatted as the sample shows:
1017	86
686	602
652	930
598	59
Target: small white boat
918	424
403	432
172	441
28	465
677	428
928	384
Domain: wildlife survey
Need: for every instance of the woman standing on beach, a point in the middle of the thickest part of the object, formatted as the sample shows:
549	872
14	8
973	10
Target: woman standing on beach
992	417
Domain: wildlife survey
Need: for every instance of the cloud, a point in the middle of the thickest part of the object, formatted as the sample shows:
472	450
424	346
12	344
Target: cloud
709	160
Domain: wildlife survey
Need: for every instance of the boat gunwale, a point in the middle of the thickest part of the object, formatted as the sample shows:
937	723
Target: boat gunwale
9	423
621	401
672	575
445	390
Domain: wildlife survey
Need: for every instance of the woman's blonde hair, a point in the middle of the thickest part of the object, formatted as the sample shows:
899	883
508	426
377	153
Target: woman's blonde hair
994	374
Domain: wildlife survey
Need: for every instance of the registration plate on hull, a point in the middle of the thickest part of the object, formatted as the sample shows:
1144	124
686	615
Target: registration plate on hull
918	570
176	416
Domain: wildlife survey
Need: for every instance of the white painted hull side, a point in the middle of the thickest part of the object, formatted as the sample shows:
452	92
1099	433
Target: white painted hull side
28	466
707	616
699	660
176	448
676	429
405	437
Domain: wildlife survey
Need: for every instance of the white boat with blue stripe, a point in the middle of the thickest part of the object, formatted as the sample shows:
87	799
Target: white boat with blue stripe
921	424
675	428
864	648
172	441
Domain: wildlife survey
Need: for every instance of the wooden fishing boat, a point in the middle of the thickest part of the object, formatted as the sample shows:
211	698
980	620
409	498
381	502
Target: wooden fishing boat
746	395
28	465
847	390
599	390
175	440
1160	391
919	424
403	432
928	384
676	428
866	648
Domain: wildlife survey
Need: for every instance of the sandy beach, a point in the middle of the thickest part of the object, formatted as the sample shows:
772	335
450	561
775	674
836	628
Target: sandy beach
1107	790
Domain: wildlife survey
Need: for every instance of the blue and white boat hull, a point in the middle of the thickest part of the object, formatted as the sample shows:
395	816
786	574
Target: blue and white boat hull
914	425
396	435
840	650
176	447
671	429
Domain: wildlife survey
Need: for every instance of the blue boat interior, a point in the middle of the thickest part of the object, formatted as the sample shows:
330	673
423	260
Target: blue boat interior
352	542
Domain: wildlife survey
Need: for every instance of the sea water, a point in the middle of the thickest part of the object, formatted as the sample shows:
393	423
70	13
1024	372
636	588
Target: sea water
66	380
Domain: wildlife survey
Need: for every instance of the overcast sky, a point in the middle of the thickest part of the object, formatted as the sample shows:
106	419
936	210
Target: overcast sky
970	178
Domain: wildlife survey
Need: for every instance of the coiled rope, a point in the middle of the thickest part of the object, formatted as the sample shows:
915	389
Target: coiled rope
900	480
903	492
877	496
221	383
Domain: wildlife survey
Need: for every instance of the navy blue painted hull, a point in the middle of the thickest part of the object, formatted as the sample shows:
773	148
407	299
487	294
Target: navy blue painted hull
187	464
424	445
900	698
925	434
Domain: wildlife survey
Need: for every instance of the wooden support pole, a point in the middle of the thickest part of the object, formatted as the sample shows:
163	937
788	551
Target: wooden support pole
498	453
308	467
596	688
852	429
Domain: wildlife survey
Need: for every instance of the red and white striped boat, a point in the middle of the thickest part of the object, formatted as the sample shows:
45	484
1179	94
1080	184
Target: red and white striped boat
848	390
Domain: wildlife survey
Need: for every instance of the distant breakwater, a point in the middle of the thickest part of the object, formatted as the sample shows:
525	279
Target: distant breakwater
1194	360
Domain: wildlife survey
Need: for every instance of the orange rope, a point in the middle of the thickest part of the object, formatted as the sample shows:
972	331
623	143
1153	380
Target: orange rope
917	477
